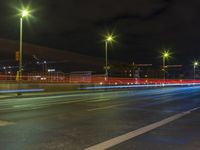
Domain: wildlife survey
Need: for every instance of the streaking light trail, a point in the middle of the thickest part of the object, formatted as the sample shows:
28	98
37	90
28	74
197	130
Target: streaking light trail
138	86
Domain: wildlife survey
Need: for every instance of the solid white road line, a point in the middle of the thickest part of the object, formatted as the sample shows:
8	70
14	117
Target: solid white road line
117	140
5	123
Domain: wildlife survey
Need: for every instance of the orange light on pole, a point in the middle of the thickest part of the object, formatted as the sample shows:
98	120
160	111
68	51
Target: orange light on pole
17	55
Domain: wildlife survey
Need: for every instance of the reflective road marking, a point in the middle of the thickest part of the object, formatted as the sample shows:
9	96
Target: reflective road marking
107	107
5	123
117	140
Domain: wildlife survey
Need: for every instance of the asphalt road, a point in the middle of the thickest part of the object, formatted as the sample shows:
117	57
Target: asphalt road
136	119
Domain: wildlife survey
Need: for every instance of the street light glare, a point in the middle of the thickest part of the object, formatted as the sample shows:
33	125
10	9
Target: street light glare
109	38
196	63
166	54
25	13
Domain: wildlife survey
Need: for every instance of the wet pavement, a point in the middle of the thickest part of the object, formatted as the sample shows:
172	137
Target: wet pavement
80	120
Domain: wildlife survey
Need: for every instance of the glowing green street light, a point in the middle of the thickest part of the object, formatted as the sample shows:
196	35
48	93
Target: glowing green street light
165	56
108	39
195	64
24	13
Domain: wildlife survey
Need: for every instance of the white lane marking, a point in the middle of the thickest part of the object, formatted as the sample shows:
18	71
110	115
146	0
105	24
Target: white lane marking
117	140
107	107
22	105
99	100
5	123
194	109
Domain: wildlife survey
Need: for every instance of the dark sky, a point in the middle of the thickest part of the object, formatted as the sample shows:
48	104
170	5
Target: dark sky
143	27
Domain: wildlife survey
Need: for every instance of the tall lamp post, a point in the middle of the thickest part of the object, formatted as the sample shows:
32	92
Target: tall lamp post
195	64
165	55
109	39
24	13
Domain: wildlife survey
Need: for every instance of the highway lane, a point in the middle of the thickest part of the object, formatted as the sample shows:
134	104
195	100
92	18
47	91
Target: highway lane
82	120
182	134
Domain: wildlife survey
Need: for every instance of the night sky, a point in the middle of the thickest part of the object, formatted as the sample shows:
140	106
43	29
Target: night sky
143	27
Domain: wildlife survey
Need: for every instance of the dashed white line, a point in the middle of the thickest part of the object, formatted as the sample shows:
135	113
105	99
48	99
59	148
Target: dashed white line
5	123
99	100
107	107
117	140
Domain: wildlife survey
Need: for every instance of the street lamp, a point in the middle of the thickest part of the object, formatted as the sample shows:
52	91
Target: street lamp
24	13
195	64
108	39
165	55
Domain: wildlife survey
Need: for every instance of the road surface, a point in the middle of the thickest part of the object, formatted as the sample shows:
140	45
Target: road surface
135	119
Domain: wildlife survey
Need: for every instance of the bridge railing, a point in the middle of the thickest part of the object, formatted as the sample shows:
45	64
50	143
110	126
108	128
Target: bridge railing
93	79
